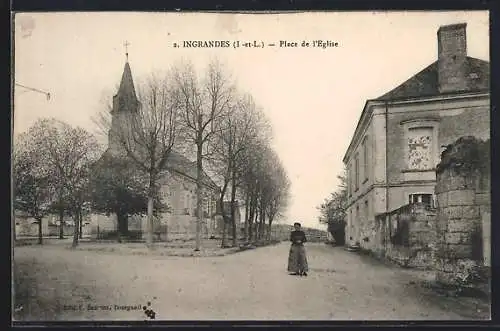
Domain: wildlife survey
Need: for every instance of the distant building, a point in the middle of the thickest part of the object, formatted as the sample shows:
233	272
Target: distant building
397	143
178	181
28	226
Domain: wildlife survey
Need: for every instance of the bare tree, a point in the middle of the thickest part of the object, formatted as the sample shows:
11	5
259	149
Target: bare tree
78	189
252	177
32	187
279	191
145	132
333	209
203	103
238	127
60	152
265	186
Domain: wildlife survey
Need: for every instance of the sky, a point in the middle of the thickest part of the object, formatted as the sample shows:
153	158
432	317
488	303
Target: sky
312	96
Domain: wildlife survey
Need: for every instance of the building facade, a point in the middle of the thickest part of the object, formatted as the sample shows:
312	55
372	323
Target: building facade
177	182
392	157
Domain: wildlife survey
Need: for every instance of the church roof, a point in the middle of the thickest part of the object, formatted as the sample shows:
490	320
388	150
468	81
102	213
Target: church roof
126	91
181	164
127	83
425	83
177	163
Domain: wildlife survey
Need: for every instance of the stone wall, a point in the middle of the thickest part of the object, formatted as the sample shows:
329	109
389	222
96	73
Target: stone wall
165	226
463	200
28	226
282	232
407	236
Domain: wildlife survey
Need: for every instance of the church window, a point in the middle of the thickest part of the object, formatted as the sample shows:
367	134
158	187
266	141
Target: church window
420	148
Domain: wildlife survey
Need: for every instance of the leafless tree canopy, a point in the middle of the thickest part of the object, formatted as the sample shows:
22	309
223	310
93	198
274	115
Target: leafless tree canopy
148	135
52	160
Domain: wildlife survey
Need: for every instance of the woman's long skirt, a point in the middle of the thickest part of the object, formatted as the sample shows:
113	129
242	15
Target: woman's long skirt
297	259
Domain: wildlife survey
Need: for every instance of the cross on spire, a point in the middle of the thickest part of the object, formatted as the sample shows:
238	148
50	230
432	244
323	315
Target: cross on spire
126	44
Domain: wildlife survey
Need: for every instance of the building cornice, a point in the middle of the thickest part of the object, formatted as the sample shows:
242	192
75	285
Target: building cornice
370	188
372	103
420	120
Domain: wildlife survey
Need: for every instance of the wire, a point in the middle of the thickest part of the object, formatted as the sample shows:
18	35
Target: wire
35	90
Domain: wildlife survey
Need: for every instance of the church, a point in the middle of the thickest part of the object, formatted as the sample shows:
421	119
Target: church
178	184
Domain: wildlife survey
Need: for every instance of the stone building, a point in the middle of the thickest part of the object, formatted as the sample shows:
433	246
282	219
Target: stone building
178	181
396	145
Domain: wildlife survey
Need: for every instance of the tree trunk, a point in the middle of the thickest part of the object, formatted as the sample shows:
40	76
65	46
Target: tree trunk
269	229
223	234
40	231
14	228
221	204
233	209
257	225
252	217
199	187
223	238
262	221
80	232
122	225
75	231
61	222
246	217
149	228
255	221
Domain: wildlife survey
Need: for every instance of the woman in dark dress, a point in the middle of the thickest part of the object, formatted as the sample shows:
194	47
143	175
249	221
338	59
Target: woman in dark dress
297	260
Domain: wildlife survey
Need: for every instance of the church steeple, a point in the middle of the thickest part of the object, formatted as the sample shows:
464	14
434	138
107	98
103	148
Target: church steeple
126	98
125	103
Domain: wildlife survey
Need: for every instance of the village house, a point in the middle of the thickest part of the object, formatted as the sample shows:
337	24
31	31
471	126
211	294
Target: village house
178	182
392	157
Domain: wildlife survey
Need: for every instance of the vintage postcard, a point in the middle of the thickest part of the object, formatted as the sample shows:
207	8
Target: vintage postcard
251	166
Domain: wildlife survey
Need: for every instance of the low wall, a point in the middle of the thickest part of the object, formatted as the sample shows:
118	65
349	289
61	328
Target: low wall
407	236
68	230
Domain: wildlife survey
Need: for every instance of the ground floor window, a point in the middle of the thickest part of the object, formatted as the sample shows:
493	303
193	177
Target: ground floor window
424	198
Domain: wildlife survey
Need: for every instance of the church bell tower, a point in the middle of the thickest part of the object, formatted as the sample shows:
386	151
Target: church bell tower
125	104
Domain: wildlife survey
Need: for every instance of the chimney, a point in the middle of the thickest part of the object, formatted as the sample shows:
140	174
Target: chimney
452	56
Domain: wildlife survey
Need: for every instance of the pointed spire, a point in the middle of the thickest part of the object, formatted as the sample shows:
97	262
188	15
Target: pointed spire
127	82
126	98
